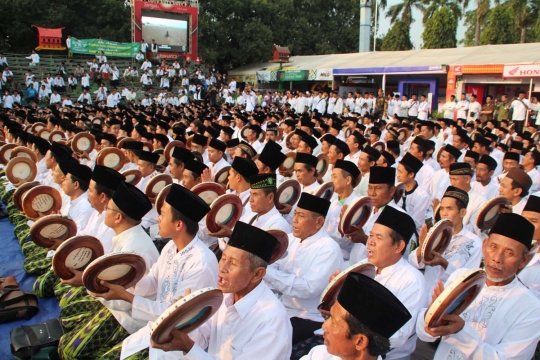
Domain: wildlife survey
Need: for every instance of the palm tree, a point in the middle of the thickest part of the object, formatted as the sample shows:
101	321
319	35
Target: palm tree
482	10
526	12
404	10
432	6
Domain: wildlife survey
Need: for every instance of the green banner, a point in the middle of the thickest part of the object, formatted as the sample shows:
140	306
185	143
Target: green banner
293	75
110	48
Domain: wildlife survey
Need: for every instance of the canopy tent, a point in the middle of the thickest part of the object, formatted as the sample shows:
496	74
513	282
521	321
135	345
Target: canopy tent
428	60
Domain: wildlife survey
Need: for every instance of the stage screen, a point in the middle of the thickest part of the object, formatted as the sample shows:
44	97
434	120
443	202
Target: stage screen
169	30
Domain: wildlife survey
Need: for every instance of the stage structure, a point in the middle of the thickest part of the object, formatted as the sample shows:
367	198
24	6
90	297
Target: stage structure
172	24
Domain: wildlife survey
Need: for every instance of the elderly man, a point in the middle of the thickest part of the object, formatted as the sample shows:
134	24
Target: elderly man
251	322
502	322
301	276
361	322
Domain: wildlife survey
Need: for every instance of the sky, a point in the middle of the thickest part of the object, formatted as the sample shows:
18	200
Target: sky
417	27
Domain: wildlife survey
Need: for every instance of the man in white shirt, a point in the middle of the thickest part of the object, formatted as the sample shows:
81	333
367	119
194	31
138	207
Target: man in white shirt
388	241
530	276
34	57
185	264
464	250
530	163
354	328
441	179
251	323
7	100
216	151
367	159
413	107
419	149
59	83
474	109
302	274
423	108
515	187
123	214
485	184
460	176
449	108
113	99
55	98
67	102
85	98
502	321
345	176
338	107
520	105
462	107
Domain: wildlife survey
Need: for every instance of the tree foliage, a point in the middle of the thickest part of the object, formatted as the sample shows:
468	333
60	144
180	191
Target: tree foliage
440	30
500	27
397	38
470	26
237	32
109	19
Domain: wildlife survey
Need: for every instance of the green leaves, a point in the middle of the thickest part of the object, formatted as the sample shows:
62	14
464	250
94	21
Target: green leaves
398	37
440	30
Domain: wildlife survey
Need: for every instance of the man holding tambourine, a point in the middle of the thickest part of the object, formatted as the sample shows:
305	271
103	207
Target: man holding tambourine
464	250
502	321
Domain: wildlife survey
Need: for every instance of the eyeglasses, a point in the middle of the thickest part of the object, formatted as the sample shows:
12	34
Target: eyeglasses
106	208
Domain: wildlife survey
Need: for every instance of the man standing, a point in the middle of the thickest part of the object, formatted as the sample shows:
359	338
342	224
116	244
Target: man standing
413	108
154	48
423	108
474	109
449	108
520	105
462	107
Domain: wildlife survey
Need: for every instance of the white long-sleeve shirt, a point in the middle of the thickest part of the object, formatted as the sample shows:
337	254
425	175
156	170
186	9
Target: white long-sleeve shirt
332	222
302	275
34	58
96	227
80	211
501	323
463	252
417	204
256	327
462	109
134	240
423	110
449	109
489	191
55	98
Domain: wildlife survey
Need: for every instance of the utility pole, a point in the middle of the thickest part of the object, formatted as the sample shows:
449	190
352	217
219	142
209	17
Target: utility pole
365	26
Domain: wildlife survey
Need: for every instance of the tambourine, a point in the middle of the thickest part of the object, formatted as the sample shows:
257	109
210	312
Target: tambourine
536	136
56	135
288	163
121	141
44	133
402	134
111	157
222	176
244	132
186	314
322	164
119	268
347	132
51	228
83	142
438	155
226	210
329	295
160	199
379	145
133	176
283	244
325	190
76	253
356	215
41	199
167	152
400	191
288	193
21	168
147	146
288	140
23	151
208	191
489	213
437	239
20	191
456	297
156	184
37	127
5	153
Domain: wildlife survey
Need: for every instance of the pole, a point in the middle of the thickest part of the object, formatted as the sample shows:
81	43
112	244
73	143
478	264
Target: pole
383	85
530	98
375	31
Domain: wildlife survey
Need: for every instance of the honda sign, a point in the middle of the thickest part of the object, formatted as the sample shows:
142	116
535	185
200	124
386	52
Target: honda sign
521	71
